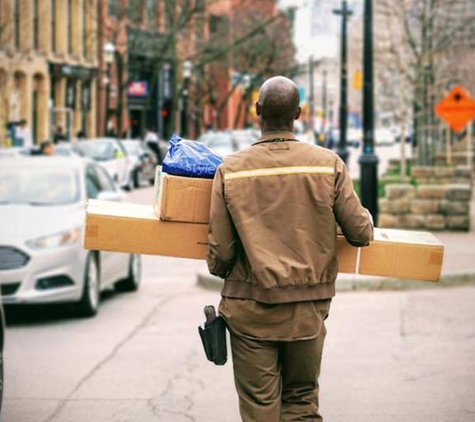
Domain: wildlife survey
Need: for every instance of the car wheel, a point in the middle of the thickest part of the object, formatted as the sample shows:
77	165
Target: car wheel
89	302
132	282
136	178
1	380
130	182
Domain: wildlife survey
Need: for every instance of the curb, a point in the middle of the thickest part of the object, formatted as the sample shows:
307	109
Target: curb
349	283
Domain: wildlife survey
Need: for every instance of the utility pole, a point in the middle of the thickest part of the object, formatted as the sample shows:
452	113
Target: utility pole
368	160
324	104
345	13
311	96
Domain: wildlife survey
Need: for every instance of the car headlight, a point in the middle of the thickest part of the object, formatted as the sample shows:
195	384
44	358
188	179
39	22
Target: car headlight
55	240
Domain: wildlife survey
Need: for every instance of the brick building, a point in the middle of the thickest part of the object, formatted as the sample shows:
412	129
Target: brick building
48	66
53	68
234	79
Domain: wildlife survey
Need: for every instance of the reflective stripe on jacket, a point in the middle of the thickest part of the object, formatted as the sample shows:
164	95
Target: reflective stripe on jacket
274	211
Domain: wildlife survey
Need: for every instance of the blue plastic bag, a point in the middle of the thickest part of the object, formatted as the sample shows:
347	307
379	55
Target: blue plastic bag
190	158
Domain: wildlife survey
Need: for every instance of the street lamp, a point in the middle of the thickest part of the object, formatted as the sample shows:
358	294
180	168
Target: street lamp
187	69
324	106
108	50
311	97
368	160
345	13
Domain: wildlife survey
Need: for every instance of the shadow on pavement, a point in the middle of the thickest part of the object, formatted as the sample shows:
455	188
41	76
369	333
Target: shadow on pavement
31	315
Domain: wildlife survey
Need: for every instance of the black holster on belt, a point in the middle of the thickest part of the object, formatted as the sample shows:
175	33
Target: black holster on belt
213	336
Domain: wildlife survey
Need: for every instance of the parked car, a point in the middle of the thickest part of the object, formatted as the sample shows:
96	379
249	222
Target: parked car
163	148
112	155
13	152
307	137
143	162
384	137
229	141
42	213
66	150
220	142
353	138
2	343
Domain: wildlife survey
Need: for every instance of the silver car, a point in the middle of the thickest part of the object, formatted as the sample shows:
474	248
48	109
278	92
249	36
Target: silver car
42	212
229	141
112	155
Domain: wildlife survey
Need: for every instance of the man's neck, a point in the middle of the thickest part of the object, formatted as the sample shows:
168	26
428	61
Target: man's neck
267	129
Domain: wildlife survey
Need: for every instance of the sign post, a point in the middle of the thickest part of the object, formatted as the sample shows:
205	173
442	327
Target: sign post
457	109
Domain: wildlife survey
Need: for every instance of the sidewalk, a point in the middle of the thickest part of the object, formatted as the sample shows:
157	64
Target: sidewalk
458	267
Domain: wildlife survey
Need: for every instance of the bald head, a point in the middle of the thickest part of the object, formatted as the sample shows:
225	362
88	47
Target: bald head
278	104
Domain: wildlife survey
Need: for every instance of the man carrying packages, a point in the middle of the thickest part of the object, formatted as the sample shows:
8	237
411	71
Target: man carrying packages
273	238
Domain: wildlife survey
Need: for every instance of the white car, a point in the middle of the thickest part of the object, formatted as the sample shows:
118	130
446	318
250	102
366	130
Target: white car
42	214
227	142
112	155
13	152
384	137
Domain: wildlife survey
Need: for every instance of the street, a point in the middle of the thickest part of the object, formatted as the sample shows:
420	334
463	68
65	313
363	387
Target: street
389	356
384	153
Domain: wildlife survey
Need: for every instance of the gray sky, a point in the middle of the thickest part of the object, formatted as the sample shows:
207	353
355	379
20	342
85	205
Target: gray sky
317	29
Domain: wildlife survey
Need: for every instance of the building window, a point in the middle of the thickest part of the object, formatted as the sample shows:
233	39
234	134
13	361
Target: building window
53	25
216	23
135	11
36	26
152	13
17	24
113	8
70	27
84	28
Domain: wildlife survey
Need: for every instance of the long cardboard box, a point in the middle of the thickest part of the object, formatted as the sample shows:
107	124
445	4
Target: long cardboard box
122	227
183	199
131	228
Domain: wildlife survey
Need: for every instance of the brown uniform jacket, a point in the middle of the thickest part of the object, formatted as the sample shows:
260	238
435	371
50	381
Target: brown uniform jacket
274	210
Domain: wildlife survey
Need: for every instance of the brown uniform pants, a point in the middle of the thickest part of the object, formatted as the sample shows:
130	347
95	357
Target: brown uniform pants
277	381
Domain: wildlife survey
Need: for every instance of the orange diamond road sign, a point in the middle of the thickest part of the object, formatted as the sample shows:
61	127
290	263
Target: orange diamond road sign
456	109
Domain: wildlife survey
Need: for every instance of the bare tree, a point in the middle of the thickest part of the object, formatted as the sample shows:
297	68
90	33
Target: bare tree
413	43
255	42
195	30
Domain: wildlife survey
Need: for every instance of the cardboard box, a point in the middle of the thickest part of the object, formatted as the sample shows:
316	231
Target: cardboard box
402	254
183	199
131	228
120	227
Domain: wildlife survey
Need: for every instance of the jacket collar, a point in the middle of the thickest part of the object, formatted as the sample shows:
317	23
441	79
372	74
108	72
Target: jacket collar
276	136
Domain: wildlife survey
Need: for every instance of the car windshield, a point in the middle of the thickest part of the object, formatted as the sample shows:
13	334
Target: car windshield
38	186
97	150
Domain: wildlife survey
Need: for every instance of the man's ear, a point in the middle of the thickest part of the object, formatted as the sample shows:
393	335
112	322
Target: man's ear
258	109
297	115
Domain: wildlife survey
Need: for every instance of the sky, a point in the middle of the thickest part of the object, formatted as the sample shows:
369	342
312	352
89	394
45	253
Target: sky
316	28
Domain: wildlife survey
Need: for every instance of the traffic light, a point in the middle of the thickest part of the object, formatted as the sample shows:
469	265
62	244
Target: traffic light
166	115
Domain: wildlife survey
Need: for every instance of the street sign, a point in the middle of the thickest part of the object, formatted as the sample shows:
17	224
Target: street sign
456	109
137	89
358	80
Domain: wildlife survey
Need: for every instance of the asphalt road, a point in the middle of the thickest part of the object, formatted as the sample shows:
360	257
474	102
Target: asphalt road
384	153
388	356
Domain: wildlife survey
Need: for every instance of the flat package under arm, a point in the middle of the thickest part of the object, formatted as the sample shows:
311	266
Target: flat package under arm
353	219
222	233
